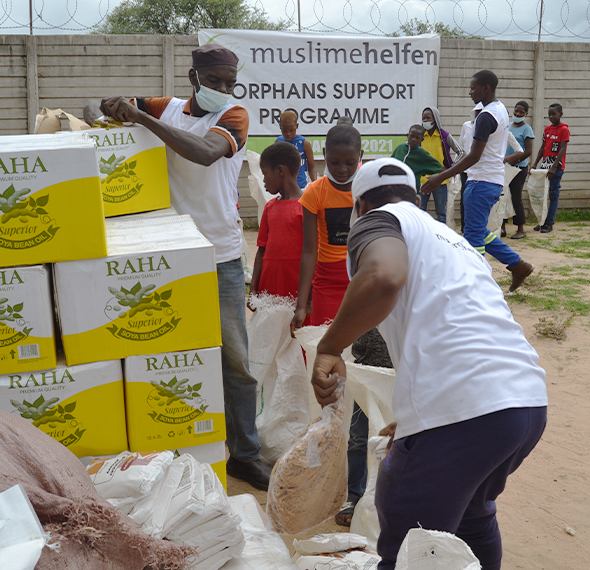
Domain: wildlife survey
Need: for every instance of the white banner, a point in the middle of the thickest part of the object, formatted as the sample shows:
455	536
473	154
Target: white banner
381	83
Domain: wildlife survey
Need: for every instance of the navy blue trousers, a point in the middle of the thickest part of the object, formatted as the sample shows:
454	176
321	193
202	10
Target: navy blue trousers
448	479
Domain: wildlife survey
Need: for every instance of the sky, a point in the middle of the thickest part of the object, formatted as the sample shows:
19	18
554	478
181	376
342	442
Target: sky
563	20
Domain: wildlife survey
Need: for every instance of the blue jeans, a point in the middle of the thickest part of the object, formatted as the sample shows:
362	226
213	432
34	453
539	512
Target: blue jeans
440	202
478	200
554	188
448	479
239	385
357	454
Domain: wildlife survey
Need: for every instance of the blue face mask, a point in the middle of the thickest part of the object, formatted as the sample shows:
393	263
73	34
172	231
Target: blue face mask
332	179
517	119
427	126
209	99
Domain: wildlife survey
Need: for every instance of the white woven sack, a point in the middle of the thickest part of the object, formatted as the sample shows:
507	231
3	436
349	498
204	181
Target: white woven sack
538	189
365	520
499	211
435	550
453	190
256	182
276	361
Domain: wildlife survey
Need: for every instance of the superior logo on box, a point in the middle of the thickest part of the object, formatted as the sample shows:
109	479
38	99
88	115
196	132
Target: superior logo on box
174	400
50	200
82	407
27	339
133	170
156	292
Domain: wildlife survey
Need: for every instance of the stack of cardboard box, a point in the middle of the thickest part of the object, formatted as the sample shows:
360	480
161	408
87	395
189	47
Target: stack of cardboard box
141	288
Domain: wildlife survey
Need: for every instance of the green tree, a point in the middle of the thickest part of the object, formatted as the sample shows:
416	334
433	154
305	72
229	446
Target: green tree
416	27
184	17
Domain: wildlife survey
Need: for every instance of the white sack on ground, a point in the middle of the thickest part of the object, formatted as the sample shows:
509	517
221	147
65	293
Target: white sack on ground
500	210
434	550
365	520
453	190
370	386
22	537
276	361
538	189
327	543
263	549
308	485
256	182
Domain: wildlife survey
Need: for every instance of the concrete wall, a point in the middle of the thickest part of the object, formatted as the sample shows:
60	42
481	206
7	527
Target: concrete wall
66	71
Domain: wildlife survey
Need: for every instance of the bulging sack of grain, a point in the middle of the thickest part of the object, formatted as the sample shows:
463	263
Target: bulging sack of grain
309	483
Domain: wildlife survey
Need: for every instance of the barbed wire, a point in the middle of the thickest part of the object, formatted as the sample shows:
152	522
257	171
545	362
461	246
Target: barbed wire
493	19
518	19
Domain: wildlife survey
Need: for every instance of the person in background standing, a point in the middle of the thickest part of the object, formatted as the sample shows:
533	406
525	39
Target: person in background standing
524	135
289	126
552	151
438	143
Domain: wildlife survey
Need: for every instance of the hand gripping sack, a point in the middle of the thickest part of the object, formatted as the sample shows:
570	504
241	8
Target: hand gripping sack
276	361
538	189
309	483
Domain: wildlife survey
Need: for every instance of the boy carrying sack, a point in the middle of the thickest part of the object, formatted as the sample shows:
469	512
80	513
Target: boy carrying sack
552	151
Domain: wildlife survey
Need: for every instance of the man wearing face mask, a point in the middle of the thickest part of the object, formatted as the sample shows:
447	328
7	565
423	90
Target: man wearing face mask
205	142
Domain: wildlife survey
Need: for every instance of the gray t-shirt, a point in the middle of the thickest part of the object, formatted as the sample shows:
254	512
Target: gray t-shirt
373	225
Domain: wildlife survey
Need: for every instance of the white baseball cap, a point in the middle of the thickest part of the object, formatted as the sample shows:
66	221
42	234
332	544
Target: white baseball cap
369	177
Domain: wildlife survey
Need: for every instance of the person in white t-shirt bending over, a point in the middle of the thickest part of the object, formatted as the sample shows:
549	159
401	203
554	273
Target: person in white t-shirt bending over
469	396
485	176
205	144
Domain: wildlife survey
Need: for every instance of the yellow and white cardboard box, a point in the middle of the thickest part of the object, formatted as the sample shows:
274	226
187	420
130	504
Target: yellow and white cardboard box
133	170
82	407
27	336
50	199
174	400
155	292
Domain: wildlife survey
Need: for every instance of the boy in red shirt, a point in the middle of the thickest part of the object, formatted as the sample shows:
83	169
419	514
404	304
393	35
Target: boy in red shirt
552	151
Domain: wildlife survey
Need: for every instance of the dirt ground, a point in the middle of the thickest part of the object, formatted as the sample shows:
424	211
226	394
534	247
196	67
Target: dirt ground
544	513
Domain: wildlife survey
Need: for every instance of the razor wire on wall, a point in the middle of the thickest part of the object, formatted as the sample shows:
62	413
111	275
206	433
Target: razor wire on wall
561	20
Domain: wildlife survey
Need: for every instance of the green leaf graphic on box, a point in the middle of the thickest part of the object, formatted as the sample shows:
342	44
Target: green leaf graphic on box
166	294
32	202
111	158
60	410
18	307
132	164
69	417
40	211
164	304
9	191
197	387
42	200
157	296
135	288
70	407
38	401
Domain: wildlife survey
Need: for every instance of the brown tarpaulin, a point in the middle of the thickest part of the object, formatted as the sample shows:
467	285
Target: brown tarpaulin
93	534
